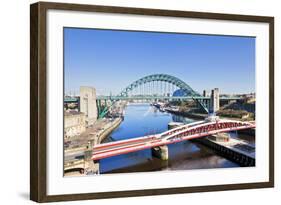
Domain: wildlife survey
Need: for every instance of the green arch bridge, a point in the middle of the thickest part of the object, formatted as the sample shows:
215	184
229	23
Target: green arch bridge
155	87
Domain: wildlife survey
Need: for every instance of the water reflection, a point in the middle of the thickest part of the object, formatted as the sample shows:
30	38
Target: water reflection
143	119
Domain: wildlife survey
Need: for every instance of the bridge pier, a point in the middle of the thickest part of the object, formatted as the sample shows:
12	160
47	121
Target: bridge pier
91	166
161	152
220	137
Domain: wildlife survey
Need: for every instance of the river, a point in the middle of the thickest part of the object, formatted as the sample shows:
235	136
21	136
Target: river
143	119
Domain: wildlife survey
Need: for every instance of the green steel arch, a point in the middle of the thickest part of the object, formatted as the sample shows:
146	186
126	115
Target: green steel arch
188	91
164	78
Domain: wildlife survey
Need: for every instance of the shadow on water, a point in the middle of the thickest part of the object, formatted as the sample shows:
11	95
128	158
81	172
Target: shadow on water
109	139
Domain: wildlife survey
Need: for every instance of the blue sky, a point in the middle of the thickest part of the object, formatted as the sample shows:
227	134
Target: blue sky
111	60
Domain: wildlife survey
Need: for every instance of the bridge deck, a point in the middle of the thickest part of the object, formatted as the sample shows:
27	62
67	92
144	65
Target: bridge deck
175	135
73	100
121	144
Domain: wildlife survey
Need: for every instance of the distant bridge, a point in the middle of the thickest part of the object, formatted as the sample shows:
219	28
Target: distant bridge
155	87
194	130
148	97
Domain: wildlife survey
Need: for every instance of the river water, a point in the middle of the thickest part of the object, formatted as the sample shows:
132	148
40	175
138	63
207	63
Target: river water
143	119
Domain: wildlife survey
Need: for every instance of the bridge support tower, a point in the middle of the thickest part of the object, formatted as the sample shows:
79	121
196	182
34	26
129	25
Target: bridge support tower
215	100
161	152
87	104
91	166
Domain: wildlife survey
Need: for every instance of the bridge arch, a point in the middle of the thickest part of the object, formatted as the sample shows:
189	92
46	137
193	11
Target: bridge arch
188	91
171	80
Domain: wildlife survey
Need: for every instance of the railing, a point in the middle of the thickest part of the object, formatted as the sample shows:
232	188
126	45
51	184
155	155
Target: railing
175	135
148	97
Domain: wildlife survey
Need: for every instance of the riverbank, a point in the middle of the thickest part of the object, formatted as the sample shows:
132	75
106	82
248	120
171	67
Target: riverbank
200	116
236	150
95	134
197	116
109	129
74	156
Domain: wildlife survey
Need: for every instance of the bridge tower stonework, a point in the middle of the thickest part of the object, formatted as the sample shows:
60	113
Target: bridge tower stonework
88	104
91	166
215	101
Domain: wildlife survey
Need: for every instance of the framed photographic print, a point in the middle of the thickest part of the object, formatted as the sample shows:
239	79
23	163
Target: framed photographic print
134	102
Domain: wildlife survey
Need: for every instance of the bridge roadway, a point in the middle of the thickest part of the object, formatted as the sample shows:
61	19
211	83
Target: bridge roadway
149	97
186	132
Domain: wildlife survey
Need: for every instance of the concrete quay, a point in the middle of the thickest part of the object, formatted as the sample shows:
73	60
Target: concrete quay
92	135
233	149
108	129
78	158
